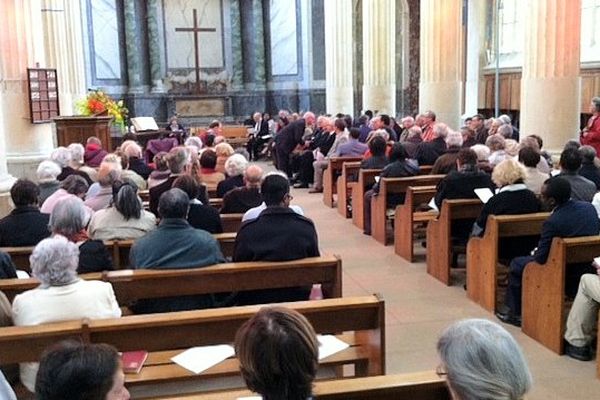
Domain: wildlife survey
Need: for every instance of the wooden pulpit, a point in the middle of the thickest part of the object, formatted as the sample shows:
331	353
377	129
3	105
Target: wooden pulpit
76	129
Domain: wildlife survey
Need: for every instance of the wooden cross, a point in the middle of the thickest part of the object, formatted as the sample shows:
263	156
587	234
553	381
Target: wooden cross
196	29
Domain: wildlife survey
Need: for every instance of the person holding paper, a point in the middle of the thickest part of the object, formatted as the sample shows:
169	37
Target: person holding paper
278	352
569	218
512	197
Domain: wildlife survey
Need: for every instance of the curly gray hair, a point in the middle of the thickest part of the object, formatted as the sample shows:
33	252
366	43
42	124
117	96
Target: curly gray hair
54	261
47	171
61	155
77	150
235	165
483	361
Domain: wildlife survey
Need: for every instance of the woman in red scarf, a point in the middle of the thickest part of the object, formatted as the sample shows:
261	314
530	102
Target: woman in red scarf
590	135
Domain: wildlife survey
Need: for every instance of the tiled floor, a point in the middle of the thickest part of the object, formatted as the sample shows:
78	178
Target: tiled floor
418	307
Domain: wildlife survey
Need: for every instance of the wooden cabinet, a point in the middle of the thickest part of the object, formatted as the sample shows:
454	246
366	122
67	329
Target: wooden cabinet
76	129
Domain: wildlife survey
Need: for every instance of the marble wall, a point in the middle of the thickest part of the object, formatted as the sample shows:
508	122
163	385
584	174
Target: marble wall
283	37
180	45
105	39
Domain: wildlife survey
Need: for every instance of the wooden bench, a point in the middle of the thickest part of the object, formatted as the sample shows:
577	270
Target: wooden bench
236	135
439	235
362	319
483	256
407	216
119	250
344	186
380	206
231	222
130	285
330	175
426	385
366	179
544	306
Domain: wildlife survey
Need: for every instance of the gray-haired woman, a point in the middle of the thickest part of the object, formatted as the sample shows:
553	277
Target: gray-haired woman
481	360
61	294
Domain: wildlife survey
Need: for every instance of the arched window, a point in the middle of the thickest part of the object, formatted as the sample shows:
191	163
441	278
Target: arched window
590	30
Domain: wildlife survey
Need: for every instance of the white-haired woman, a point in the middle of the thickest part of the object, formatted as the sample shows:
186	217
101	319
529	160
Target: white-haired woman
224	151
61	294
47	173
62	156
69	219
497	145
234	168
77	161
481	360
136	159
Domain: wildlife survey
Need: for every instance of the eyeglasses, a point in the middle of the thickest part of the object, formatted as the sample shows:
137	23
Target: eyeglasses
440	371
289	197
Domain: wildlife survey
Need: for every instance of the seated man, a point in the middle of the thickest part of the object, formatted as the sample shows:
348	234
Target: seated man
581	188
278	234
569	218
200	216
242	199
320	165
583	318
25	225
174	244
352	148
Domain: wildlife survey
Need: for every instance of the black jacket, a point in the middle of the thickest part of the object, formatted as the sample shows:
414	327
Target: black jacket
241	200
93	257
589	171
140	167
156	191
290	136
7	268
24	226
428	152
229	184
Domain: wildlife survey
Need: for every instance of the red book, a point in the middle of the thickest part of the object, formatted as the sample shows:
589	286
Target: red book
133	361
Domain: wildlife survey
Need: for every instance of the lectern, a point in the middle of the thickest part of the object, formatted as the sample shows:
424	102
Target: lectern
76	129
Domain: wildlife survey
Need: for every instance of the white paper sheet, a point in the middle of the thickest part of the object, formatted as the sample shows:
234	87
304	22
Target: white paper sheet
198	359
484	194
432	204
329	345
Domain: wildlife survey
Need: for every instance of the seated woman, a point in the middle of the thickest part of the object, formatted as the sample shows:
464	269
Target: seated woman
99	195
61	295
234	167
278	354
161	172
125	219
208	175
46	173
497	145
224	151
481	360
69	219
397	168
378	159
76	371
200	216
74	186
513	197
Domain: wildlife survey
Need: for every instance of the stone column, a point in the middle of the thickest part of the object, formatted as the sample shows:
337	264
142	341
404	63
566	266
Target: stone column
237	80
379	57
475	50
259	42
550	84
441	83
22	46
154	44
134	65
338	57
64	50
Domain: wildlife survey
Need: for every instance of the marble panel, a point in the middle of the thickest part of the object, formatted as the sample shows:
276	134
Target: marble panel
105	32
200	107
284	41
180	45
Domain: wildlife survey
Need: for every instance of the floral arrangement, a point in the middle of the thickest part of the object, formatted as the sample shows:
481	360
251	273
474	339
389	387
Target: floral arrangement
97	103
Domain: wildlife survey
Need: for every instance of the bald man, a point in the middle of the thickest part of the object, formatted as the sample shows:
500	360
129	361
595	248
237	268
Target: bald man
242	199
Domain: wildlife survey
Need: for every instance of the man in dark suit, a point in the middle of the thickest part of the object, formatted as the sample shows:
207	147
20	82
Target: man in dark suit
176	160
570	218
429	151
200	216
477	125
242	199
290	137
25	225
278	234
259	136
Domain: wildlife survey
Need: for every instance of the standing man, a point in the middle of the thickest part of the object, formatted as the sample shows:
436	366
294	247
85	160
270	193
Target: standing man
290	137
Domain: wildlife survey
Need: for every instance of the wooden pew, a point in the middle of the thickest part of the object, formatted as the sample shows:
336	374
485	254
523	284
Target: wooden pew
482	253
130	285
330	175
236	135
165	335
366	178
425	169
344	186
426	385
439	235
231	222
543	308
379	204
407	216
119	249
216	203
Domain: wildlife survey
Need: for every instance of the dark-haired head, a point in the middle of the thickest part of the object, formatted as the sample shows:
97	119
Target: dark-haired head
354	133
75	371
278	354
173	203
529	156
188	184
126	200
208	159
275	189
24	193
398	152
570	160
377	146
556	191
467	157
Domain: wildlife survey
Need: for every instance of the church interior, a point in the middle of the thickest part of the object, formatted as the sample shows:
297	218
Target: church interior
209	66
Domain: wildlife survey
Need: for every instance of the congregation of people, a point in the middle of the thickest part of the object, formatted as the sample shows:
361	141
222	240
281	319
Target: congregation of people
86	194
